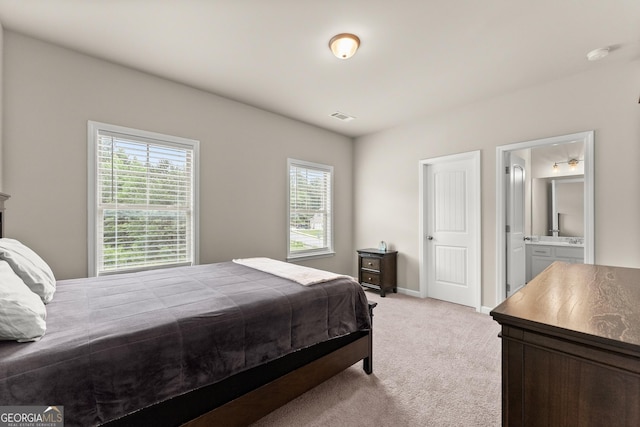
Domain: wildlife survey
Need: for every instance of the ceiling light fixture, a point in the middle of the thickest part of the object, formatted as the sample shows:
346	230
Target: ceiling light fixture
597	54
344	45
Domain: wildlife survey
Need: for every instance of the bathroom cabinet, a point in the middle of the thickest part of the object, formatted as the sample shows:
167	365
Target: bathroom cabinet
540	256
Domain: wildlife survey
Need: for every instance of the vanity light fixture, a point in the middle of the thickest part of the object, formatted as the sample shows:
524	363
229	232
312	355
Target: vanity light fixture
573	163
344	45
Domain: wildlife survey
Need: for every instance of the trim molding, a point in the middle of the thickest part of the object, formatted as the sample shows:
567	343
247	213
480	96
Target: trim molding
485	310
410	292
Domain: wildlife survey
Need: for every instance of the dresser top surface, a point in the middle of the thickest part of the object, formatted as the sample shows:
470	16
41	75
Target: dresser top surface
598	302
376	251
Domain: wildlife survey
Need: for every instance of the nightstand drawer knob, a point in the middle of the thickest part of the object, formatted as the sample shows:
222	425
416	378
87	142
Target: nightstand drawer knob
369	263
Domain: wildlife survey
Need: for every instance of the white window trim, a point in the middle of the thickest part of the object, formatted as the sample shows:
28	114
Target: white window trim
92	132
311	254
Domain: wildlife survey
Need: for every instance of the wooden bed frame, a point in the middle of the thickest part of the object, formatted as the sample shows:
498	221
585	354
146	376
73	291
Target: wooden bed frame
250	395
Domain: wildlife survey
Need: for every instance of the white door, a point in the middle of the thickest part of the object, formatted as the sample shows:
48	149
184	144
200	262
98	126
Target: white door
516	254
452	230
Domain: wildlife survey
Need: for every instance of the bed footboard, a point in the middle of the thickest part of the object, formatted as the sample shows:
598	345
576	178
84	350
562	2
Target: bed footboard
263	400
250	395
367	362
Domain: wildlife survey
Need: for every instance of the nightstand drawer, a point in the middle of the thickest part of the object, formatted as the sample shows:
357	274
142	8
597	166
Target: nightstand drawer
377	270
371	263
370	277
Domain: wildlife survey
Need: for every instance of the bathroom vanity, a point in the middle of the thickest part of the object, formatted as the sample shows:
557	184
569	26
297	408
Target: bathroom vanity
542	253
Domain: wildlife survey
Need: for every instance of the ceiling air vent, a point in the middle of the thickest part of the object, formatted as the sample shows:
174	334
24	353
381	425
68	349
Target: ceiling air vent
342	116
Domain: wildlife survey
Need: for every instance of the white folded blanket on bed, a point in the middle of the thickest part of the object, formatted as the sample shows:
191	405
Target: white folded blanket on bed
304	275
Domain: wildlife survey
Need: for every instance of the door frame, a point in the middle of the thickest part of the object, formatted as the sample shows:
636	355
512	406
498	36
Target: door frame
587	138
474	216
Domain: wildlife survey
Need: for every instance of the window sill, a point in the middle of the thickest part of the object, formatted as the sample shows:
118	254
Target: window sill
303	257
143	268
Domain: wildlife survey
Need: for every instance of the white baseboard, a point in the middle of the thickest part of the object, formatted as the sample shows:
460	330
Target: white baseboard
485	309
412	293
409	292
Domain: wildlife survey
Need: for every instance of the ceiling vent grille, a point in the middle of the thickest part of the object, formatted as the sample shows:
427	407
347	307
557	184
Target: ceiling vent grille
342	116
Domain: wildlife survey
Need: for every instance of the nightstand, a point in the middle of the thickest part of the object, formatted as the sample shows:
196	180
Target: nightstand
377	270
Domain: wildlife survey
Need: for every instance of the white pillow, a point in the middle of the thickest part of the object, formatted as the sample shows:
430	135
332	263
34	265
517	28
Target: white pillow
22	313
32	269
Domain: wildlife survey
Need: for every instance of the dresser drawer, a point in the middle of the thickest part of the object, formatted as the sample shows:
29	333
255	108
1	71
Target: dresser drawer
370	277
371	263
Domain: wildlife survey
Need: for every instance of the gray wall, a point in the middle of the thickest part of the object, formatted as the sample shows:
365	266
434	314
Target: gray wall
604	99
51	92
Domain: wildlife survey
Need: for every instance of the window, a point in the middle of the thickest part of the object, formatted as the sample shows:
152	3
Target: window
310	209
142	200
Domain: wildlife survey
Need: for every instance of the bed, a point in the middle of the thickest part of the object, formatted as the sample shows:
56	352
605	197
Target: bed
211	344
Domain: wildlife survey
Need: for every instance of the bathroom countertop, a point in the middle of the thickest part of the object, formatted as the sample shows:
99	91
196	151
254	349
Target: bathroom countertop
554	243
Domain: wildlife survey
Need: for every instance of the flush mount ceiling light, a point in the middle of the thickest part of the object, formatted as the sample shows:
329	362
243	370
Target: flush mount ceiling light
344	45
599	53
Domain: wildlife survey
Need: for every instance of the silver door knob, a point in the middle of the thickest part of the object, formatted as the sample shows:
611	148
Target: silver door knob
429	237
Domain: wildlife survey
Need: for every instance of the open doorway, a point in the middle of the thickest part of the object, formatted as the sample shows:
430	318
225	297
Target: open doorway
554	167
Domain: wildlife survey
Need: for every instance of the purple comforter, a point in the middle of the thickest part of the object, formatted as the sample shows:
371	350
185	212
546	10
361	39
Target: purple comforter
116	344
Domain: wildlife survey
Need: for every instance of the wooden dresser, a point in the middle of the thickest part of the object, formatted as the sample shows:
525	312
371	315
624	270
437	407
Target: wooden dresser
378	270
571	348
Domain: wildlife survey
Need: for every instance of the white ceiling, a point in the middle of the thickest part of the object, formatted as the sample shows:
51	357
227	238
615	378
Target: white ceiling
417	57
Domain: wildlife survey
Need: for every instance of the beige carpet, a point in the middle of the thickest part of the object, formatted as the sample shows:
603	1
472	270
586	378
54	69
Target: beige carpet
435	364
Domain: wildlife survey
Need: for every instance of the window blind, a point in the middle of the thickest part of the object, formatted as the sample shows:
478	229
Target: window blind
310	209
145	201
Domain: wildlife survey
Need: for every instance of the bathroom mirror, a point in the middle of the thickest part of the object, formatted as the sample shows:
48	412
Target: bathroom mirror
554	189
557	206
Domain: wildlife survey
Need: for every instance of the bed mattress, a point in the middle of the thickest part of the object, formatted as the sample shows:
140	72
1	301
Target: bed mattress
120	343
